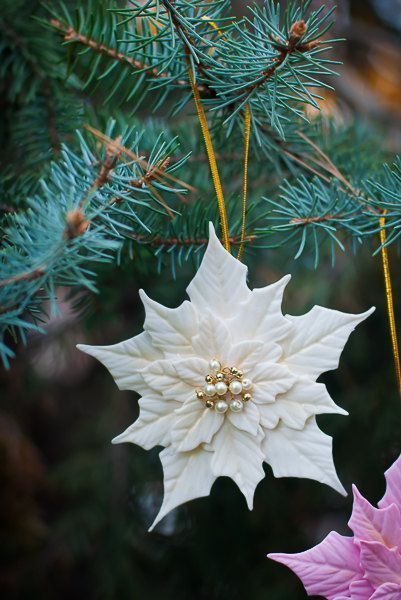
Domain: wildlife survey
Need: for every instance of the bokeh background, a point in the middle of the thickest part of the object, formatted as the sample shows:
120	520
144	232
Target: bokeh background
74	510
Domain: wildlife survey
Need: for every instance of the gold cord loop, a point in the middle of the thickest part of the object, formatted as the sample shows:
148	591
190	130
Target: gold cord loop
390	302
247	135
212	161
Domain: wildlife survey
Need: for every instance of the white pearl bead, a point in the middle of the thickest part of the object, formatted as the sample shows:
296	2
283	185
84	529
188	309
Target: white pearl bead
221	406
221	388
214	364
246	384
235	387
210	389
236	406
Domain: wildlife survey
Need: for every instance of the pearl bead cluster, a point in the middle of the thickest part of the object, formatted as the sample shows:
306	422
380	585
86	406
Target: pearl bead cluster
226	388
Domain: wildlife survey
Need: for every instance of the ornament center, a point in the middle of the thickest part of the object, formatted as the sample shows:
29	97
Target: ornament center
225	388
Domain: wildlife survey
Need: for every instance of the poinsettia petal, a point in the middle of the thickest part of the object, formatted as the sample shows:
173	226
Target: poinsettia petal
246	420
192	371
373	524
387	591
328	569
220	283
306	453
247	354
304	399
361	589
260	317
171	329
237	454
126	360
195	424
393	490
154	424
162	377
269	380
381	564
213	339
187	475
314	344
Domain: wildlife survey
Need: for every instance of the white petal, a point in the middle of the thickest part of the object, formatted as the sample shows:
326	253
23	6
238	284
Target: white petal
153	427
187	475
307	453
194	425
238	455
246	420
126	360
213	339
220	283
260	317
269	379
246	355
304	399
192	371
315	343
171	329
162	377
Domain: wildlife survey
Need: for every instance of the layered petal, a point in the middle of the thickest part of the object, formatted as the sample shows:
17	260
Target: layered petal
361	590
393	490
306	453
126	360
171	329
247	420
269	380
154	425
238	455
261	318
213	339
220	283
328	569
248	354
387	591
303	400
314	344
162	377
381	564
375	525
187	475
194	425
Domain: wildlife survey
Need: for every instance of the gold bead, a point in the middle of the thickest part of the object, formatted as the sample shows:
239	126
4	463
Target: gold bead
220	376
209	379
240	374
247	397
200	395
234	370
209	403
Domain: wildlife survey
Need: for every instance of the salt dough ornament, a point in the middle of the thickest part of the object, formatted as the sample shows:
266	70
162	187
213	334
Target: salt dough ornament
228	382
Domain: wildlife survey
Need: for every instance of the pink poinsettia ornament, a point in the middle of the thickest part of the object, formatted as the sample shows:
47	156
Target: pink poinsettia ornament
366	566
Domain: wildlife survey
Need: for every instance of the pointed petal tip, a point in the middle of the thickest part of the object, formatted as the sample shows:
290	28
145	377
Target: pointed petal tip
117	439
87	348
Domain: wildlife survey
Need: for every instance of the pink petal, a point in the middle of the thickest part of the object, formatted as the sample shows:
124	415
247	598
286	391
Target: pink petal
328	569
361	590
393	491
388	591
381	564
375	525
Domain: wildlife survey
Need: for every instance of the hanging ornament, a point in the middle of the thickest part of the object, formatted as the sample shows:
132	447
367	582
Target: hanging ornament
366	566
228	382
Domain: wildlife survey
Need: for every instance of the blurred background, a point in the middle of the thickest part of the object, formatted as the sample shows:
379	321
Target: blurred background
74	510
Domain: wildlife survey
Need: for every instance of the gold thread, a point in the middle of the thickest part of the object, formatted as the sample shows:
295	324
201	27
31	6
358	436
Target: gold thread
212	161
390	302
247	135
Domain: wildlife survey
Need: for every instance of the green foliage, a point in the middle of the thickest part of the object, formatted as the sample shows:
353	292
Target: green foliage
71	201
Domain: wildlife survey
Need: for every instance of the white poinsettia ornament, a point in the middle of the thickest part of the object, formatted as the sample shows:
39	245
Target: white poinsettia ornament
228	382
